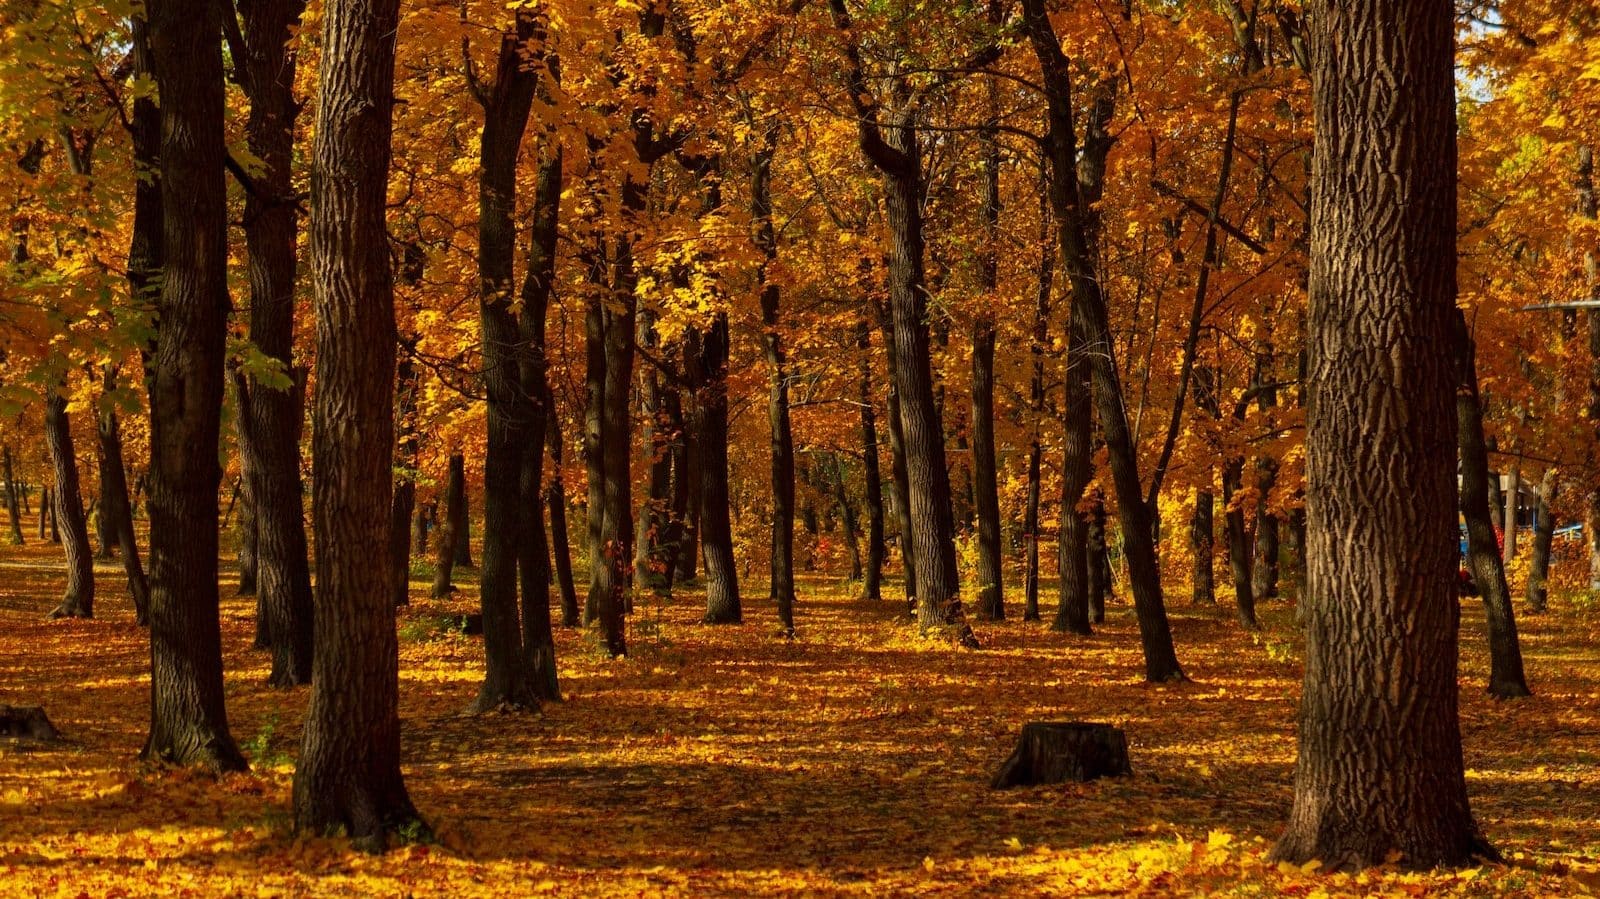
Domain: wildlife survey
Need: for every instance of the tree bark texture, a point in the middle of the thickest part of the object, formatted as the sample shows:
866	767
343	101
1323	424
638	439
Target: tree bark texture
1380	767
348	777
188	721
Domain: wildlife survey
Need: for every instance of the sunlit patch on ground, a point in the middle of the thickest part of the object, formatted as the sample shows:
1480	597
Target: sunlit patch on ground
726	761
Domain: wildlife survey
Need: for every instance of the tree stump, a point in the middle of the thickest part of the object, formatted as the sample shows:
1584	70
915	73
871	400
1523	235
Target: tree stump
28	722
470	624
1056	751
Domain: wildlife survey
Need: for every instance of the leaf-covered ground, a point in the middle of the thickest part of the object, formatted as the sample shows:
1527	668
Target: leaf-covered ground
725	761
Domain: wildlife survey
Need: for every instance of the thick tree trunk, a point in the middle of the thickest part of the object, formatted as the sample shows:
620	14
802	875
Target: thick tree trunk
1380	768
872	585
348	776
708	364
1074	187
188	722
1544	526
273	416
1506	678
78	602
778	425
116	507
444	541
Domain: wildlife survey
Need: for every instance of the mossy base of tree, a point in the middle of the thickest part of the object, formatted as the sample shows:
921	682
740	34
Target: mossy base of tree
1059	751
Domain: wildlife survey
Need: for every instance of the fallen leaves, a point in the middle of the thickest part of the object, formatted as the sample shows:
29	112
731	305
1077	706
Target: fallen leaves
720	761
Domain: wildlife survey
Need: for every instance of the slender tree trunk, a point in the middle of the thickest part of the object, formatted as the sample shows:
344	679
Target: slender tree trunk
985	480
897	468
1074	187
1077	467
1513	505
1506	678
1264	572
1239	547
188	721
11	499
455	501
872	586
462	549
44	513
1099	562
1380	768
847	519
1544	527
778	425
1036	402
405	483
689	476
1202	542
560	540
78	602
117	508
245	530
507	102
651	528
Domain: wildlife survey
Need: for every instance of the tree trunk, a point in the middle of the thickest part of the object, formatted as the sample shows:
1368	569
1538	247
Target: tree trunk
1239	548
985	481
1077	467
560	540
778	425
348	776
1513	506
507	102
707	353
609	328
689	477
1380	768
405	483
651	535
274	415
44	513
1264	571
115	505
1036	404
11	499
245	530
1506	679
1202	542
462	549
872	586
78	602
1099	562
188	721
1544	526
1075	185
897	467
455	501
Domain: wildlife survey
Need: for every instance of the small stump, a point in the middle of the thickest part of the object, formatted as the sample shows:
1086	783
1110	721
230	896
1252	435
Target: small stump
1055	751
27	722
470	624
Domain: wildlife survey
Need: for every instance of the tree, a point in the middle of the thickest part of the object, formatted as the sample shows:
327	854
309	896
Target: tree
79	599
348	776
188	721
1380	767
272	411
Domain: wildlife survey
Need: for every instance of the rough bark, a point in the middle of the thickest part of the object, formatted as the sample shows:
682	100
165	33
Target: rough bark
78	601
348	776
1506	678
897	467
273	417
188	722
1380	768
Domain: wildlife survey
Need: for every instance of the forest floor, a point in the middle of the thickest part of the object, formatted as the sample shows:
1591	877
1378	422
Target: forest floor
726	761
